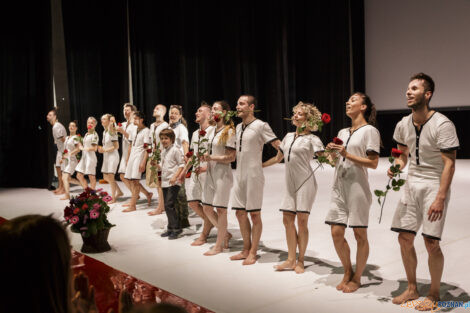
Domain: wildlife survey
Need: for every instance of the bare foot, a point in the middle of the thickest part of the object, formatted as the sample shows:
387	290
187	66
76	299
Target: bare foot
66	197
154	212
351	286
428	304
285	266
213	251
117	197
346	278
126	204
199	242
299	267
129	209
59	191
149	198
227	240
241	256
250	259
407	295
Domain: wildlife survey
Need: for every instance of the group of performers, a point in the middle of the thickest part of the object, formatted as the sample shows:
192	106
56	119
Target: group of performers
426	137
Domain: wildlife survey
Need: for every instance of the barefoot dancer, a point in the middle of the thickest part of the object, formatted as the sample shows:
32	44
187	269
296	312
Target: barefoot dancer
431	140
110	153
196	182
137	160
351	197
87	164
159	113
127	129
247	192
298	149
219	180
59	133
72	146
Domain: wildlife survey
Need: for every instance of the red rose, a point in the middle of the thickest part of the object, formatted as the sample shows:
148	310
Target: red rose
76	210
145	146
119	124
216	118
326	118
396	152
68	211
202	133
66	151
189	154
89	126
79	135
84	206
149	150
337	141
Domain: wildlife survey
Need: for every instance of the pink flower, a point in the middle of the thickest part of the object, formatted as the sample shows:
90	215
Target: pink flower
74	220
107	198
96	206
103	194
94	214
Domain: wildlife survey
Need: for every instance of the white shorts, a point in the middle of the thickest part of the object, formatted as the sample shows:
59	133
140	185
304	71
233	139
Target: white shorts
132	169
412	210
350	204
194	187
87	164
71	165
247	193
110	162
300	201
219	182
58	157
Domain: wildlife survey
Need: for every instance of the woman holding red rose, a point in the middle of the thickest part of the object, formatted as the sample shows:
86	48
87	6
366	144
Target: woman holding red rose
357	149
87	164
70	157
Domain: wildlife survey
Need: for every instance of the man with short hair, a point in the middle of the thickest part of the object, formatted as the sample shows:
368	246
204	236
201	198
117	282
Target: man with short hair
59	133
247	193
430	139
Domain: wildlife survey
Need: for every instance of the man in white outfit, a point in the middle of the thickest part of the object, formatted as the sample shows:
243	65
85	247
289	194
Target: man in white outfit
59	133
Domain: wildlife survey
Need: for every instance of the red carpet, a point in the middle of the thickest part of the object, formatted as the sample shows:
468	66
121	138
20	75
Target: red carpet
109	281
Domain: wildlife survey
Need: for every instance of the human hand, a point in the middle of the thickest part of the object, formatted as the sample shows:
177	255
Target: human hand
84	295
436	210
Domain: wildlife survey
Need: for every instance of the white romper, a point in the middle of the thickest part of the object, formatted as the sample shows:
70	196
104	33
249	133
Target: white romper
219	179
437	135
351	197
58	132
181	134
196	182
125	143
301	185
247	192
137	153
70	144
155	132
110	159
87	164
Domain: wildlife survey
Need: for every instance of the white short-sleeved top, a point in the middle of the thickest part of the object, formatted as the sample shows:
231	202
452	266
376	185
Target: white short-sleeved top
130	128
90	139
70	142
58	132
216	146
172	160
249	144
108	139
142	138
181	134
298	152
195	138
437	134
155	132
361	142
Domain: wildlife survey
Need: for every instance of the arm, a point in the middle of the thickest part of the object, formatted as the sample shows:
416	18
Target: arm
276	143
115	147
93	148
371	161
128	153
402	160
143	163
185	145
437	207
175	177
76	150
229	156
274	160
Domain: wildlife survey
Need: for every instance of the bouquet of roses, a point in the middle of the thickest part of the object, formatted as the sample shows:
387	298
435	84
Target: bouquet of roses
87	212
394	183
195	158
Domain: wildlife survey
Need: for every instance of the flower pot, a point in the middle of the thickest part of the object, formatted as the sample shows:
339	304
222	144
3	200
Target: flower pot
96	243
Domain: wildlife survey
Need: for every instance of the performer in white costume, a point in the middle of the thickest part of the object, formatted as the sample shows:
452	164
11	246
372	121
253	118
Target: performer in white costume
298	149
87	164
247	193
430	139
72	148
59	133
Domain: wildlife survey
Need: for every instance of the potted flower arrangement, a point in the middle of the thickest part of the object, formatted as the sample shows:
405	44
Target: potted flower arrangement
87	215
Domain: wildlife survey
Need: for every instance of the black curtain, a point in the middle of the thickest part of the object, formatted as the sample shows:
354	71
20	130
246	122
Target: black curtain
184	52
25	94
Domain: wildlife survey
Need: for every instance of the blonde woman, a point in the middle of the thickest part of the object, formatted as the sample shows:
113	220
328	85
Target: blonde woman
298	149
110	153
87	164
72	147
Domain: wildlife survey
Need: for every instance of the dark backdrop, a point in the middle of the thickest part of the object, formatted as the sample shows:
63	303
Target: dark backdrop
184	52
25	94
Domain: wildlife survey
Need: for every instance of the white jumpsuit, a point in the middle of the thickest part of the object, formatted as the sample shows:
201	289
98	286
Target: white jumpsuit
247	192
138	149
59	132
301	185
351	197
87	164
196	182
426	145
70	144
219	179
110	159
131	130
181	134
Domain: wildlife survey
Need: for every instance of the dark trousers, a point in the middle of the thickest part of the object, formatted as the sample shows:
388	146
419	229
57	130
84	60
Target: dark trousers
169	195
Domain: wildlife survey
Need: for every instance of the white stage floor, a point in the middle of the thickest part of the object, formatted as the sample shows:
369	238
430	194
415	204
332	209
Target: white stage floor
226	286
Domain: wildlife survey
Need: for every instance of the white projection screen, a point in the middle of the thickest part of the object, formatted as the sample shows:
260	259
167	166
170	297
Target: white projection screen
404	37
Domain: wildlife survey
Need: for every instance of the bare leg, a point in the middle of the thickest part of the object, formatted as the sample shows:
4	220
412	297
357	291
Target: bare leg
146	193
82	180
115	190
206	226
245	229
408	255
126	182
135	192
161	204
66	179
74	181
361	259
302	238
291	237
60	188
221	230
92	181
255	237
342	249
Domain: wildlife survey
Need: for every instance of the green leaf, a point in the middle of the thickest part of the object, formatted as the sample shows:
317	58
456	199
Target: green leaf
394	182
388	187
401	182
378	193
391	159
396	188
